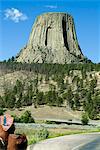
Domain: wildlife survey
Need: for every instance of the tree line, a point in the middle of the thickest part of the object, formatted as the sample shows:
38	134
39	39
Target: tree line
48	69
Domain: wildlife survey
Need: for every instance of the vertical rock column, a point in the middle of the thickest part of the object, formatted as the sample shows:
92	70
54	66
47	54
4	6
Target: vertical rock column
52	40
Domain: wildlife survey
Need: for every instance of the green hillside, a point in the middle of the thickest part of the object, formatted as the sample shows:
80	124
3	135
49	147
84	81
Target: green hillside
76	86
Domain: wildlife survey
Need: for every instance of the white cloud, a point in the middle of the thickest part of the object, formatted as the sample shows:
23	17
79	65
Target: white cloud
51	6
15	15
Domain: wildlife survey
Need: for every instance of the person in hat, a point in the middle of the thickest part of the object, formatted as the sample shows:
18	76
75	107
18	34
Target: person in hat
6	127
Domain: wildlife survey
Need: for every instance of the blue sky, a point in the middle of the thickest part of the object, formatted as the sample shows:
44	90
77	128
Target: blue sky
17	18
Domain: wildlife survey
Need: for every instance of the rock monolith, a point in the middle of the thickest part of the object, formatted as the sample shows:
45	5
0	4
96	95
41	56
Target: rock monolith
52	40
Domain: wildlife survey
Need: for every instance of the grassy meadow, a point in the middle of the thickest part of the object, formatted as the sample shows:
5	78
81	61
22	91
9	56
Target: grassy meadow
36	135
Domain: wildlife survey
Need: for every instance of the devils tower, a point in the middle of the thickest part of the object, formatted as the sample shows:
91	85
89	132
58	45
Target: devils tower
53	39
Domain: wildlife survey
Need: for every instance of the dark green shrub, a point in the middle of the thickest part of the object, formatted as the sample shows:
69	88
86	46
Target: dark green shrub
26	117
16	119
84	119
42	134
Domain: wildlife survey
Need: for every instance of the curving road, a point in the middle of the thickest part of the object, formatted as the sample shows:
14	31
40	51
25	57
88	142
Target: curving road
70	142
94	145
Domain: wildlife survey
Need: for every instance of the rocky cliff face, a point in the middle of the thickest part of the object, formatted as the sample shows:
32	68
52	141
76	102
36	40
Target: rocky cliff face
52	40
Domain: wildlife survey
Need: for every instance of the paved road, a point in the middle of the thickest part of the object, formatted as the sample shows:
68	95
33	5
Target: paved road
94	145
70	142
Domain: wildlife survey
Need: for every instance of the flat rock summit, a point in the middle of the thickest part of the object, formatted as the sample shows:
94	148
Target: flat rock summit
53	39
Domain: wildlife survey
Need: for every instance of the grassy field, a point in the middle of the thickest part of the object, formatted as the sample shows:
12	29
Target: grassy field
39	114
32	133
48	112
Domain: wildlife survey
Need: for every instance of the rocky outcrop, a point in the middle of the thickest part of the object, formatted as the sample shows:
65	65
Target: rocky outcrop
52	40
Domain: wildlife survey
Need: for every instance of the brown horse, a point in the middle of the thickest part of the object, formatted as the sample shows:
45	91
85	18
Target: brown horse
17	142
